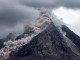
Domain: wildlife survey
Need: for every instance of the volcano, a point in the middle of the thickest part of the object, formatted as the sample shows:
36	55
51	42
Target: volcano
44	40
48	44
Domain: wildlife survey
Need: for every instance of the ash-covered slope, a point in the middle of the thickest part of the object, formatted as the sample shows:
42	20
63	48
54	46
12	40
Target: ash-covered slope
75	38
48	44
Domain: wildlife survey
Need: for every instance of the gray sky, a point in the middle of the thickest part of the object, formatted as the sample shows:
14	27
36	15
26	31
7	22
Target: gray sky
70	17
52	3
14	12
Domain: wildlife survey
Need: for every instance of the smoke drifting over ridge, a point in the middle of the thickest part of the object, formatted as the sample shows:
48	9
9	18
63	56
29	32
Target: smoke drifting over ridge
14	12
13	15
37	27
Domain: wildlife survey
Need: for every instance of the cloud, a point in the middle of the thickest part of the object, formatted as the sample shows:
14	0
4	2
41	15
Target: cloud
13	11
70	17
52	3
13	14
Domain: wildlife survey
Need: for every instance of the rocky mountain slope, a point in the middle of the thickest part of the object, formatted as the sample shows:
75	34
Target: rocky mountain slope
49	44
41	40
75	38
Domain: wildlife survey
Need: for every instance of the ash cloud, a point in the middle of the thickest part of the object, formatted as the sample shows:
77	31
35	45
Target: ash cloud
15	12
13	15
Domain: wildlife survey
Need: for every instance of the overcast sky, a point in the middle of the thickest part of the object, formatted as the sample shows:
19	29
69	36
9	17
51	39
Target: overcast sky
13	13
70	17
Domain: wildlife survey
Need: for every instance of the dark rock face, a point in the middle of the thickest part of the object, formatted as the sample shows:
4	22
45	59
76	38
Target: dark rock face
72	36
1	44
47	45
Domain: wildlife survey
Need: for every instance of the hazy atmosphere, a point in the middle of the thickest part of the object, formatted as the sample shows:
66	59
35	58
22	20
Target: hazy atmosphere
13	13
39	30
